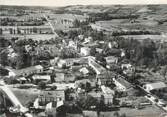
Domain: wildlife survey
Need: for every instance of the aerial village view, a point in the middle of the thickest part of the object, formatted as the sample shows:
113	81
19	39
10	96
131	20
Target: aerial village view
83	61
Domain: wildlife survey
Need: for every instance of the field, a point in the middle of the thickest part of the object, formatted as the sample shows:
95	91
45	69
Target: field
25	95
142	37
37	37
149	111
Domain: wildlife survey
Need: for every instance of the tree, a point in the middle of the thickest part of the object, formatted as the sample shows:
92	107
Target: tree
42	85
164	71
123	115
116	114
93	51
76	23
87	86
3	58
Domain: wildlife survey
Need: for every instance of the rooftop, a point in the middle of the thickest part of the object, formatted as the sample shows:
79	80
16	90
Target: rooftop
124	82
157	85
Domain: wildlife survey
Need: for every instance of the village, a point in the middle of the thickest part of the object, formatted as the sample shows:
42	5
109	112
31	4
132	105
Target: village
64	65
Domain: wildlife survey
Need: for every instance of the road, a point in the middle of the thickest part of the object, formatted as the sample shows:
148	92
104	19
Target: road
52	27
152	99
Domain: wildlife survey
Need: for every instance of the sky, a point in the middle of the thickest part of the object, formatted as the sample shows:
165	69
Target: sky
77	2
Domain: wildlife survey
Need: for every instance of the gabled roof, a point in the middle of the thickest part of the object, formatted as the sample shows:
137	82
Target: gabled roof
124	82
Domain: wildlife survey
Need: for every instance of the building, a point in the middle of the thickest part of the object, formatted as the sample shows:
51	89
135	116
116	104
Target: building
65	62
154	86
107	90
84	81
85	51
47	97
111	59
39	78
26	71
84	70
69	62
127	68
64	77
88	40
107	98
96	67
106	78
122	84
54	61
60	77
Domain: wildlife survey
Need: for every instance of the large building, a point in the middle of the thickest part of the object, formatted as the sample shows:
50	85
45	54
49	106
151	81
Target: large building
122	84
154	86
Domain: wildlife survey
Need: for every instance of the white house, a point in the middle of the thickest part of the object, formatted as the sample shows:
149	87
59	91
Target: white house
65	62
54	61
127	68
154	86
85	51
111	59
38	78
72	44
84	70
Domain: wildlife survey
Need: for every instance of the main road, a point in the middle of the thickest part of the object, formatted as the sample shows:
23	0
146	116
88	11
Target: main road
51	25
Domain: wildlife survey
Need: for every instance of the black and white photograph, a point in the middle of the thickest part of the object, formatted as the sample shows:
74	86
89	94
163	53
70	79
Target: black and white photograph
83	58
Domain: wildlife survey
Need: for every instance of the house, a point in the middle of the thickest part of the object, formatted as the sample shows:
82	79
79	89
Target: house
64	77
127	68
154	86
107	90
113	44
85	51
107	98
84	81
87	40
65	62
70	62
72	44
22	80
81	37
47	97
84	70
111	59
54	61
59	77
105	78
38	78
122	84
99	50
26	71
96	67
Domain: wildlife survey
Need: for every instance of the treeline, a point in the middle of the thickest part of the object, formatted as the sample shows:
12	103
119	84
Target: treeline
140	32
146	52
107	16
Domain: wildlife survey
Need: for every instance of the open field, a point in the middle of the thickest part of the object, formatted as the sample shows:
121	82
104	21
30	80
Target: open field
37	37
149	111
25	95
142	37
